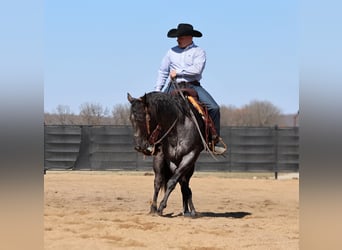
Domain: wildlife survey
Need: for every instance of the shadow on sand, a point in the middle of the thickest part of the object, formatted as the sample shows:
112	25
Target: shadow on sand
234	215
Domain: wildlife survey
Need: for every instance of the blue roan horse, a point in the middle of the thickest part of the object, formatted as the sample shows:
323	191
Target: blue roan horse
179	146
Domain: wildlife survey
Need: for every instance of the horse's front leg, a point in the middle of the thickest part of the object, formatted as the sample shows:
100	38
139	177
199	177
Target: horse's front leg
158	166
188	206
157	186
185	197
171	184
185	166
191	204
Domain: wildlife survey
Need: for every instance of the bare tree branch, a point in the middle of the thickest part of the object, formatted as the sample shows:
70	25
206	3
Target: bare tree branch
121	114
92	113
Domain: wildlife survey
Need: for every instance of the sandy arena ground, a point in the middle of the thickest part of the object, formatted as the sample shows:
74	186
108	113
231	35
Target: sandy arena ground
109	210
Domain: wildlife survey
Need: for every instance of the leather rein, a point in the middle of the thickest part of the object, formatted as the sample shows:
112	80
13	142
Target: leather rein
154	135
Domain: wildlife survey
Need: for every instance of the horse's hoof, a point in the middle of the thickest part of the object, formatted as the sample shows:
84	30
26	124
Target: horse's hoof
153	210
191	214
152	213
187	214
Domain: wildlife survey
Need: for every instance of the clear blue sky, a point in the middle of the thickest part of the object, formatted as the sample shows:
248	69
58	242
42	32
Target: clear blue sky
97	51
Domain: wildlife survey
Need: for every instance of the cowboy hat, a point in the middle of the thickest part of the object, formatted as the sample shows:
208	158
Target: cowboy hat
184	29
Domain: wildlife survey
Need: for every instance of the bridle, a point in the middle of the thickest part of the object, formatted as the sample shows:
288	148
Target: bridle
152	137
147	121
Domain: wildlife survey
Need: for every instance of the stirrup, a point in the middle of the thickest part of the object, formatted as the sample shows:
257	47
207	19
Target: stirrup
218	150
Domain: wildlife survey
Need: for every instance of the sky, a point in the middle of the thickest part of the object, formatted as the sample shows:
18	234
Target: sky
98	51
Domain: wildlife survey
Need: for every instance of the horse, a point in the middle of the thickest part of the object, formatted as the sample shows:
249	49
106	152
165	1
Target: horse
179	125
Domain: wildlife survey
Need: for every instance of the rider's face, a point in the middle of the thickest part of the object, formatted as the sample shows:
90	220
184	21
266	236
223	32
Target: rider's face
184	41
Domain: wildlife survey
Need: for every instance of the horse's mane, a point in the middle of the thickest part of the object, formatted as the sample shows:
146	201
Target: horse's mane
171	107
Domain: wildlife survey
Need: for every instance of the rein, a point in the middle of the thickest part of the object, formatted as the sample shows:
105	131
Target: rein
174	83
167	132
155	132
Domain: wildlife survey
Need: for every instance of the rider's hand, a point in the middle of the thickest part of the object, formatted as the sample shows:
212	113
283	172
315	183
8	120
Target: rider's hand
173	74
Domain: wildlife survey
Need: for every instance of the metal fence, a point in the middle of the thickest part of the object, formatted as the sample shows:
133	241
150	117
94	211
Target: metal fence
250	149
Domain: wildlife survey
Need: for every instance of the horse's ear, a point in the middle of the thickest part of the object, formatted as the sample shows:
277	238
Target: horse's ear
130	98
144	99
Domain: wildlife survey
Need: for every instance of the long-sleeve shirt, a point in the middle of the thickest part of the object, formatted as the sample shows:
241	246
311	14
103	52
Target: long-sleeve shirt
189	64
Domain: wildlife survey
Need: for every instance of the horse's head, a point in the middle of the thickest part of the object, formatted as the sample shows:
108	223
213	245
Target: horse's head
139	117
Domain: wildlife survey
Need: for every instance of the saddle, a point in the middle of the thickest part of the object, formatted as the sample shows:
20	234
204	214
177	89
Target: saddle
211	137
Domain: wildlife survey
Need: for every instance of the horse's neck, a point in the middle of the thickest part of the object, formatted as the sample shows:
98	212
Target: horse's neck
167	119
165	109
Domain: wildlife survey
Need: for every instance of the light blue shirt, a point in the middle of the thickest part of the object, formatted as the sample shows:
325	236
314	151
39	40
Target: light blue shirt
189	64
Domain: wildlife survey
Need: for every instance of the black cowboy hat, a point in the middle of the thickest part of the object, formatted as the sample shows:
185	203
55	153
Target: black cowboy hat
184	29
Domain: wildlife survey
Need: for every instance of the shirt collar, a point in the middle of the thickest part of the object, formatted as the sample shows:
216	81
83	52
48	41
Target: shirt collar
188	47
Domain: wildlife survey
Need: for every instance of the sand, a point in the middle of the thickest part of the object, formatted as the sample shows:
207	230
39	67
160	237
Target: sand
109	210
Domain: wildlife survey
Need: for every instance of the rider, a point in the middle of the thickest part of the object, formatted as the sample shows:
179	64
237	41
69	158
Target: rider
184	64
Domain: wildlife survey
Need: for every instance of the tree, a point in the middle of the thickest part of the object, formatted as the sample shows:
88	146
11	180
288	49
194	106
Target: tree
63	114
228	116
121	114
261	113
256	113
92	113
